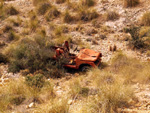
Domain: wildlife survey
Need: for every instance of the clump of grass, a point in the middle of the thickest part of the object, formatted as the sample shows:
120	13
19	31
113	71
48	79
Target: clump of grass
111	15
113	93
144	32
42	31
37	2
60	1
33	23
88	2
13	36
11	10
2	10
58	31
52	13
17	91
7	28
131	69
146	19
87	15
43	8
67	17
77	90
16	22
14	94
36	81
55	105
3	58
131	3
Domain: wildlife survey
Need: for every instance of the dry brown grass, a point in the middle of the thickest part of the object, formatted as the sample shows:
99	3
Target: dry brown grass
16	91
87	15
43	8
60	1
52	13
11	10
67	17
146	19
111	15
88	2
131	3
37	2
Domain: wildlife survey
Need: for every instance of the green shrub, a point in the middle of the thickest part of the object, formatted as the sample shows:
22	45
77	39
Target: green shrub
136	41
30	54
146	19
35	81
131	3
43	8
35	55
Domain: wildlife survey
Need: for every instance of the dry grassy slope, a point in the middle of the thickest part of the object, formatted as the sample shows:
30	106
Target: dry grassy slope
128	16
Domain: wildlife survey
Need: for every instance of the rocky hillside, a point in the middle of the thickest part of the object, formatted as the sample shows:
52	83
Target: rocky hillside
29	27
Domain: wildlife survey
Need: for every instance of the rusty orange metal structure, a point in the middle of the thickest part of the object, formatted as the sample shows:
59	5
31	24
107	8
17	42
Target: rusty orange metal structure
84	59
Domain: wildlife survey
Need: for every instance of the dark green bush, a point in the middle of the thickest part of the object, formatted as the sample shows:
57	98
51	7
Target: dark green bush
30	54
36	55
35	81
136	41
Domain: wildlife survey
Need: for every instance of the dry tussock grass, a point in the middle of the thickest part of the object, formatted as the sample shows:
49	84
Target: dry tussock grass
146	19
131	3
